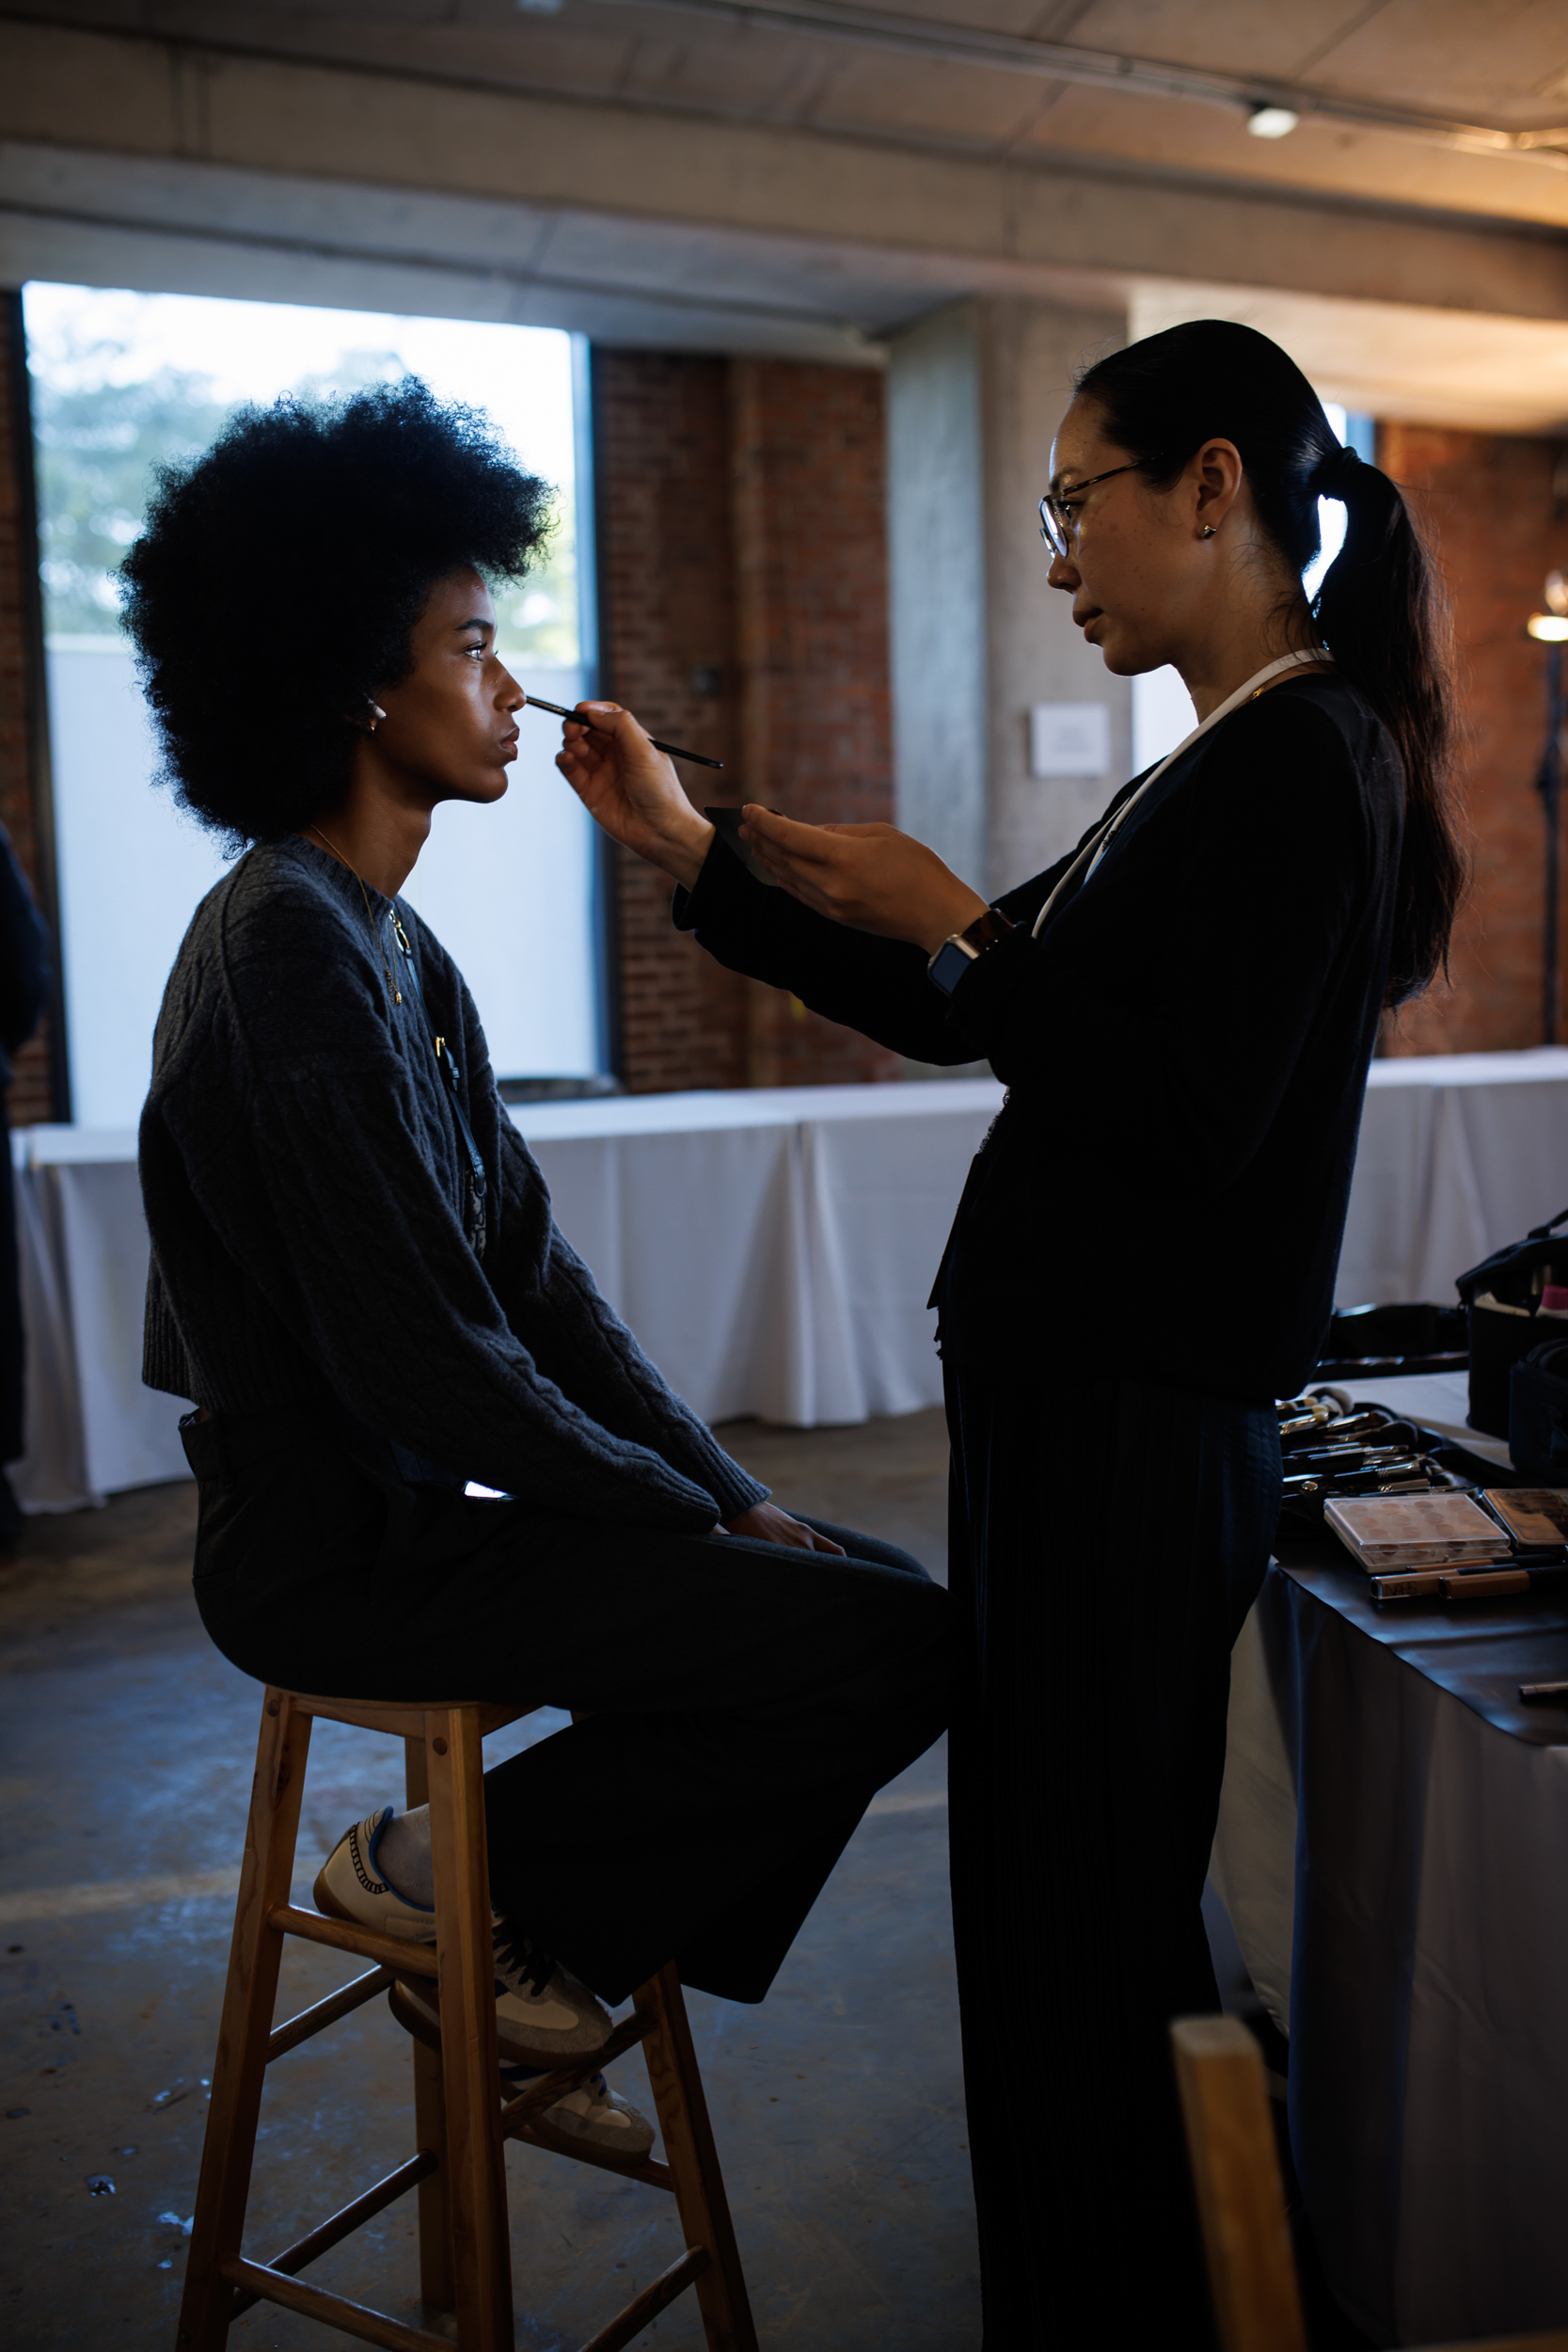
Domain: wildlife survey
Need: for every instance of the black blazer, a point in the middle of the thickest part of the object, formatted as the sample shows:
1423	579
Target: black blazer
1185	1049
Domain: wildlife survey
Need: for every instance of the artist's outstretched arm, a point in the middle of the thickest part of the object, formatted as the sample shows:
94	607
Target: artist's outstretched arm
861	906
872	877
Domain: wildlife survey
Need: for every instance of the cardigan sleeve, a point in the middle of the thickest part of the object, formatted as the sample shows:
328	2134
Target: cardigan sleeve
550	1298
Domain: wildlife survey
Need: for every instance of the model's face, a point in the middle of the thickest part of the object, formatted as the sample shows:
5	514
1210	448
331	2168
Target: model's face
449	733
1139	571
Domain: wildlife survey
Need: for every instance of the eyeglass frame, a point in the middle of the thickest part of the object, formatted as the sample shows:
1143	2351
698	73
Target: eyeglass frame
1054	532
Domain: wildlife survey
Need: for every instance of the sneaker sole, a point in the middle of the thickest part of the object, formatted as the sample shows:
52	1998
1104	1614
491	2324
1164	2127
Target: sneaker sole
516	2054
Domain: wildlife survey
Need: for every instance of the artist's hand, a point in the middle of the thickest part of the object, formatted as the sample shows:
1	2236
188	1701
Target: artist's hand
633	791
872	877
766	1524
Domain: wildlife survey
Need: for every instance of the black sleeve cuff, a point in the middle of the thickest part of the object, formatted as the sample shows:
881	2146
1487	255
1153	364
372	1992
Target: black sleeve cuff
722	881
987	988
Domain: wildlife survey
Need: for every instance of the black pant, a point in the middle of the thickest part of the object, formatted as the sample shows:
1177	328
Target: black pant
746	1700
13	1383
1108	1538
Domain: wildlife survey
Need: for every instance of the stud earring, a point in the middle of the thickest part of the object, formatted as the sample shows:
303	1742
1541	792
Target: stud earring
1207	532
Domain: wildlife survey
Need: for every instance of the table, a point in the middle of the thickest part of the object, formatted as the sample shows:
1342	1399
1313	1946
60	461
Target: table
772	1249
1391	1846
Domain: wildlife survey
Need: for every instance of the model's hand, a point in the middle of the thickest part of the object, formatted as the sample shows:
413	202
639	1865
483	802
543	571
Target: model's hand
766	1524
633	791
872	877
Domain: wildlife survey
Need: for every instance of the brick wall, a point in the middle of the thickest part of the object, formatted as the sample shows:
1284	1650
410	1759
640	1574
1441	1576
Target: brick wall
667	651
743	610
29	1098
810	597
1488	502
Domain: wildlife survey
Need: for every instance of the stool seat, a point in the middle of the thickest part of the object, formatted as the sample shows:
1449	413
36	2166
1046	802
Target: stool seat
462	2118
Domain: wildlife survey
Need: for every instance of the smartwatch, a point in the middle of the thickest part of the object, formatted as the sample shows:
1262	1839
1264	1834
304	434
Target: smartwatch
955	956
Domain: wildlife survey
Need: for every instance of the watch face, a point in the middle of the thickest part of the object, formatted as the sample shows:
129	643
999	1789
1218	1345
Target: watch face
949	965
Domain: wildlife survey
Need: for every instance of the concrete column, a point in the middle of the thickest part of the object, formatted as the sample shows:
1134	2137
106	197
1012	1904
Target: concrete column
974	395
937	587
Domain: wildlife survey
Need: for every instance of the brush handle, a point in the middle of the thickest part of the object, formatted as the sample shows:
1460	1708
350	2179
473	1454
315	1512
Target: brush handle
673	750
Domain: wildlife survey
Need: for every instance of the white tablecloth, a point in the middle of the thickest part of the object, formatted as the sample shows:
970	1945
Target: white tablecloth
773	1251
1460	1153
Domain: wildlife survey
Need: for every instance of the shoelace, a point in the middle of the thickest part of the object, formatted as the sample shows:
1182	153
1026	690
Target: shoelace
520	1955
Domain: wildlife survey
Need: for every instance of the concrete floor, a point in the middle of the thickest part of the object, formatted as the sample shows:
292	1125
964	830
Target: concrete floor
128	1749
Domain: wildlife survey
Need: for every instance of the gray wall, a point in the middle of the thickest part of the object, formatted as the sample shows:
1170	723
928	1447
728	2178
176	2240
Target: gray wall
937	587
976	393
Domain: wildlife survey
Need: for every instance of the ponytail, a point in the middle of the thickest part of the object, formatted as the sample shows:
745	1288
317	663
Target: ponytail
1380	609
1383	616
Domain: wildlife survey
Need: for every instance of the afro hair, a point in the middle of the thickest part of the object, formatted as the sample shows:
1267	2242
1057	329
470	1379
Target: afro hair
272	590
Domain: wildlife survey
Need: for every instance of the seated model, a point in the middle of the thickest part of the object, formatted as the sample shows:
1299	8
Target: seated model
357	1277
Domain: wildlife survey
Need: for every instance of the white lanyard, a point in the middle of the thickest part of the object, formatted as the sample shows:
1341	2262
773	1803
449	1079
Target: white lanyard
1092	851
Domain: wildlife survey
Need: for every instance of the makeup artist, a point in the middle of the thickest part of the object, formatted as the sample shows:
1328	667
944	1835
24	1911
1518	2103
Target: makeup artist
1144	1254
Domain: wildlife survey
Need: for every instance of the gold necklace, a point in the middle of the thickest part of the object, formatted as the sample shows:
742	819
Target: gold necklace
396	992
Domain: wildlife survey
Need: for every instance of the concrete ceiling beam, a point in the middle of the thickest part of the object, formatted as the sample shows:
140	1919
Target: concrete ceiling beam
146	98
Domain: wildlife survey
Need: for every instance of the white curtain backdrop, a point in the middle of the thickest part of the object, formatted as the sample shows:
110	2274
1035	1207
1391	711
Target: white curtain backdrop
773	1251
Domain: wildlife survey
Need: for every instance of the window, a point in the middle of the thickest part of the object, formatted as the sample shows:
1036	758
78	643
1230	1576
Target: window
122	381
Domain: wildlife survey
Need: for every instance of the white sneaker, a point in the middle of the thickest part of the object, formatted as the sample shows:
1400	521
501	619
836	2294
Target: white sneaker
592	2112
349	1886
544	2017
601	2117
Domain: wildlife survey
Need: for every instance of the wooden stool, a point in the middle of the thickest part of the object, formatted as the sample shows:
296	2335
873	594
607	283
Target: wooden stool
461	2122
1241	2196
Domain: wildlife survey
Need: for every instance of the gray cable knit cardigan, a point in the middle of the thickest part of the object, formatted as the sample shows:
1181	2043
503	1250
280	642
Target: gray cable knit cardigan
304	1183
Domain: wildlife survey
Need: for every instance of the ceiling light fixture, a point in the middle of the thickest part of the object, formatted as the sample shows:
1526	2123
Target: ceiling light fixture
1271	122
1544	140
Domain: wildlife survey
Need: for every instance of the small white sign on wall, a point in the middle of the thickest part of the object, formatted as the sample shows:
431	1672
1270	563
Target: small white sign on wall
1070	738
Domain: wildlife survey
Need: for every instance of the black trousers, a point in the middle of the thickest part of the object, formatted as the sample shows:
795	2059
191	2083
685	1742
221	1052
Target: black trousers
1108	1537
12	1363
746	1700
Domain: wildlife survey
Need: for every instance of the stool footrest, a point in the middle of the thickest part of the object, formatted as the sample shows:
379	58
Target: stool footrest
644	2169
399	1953
333	2311
652	2300
342	2003
345	2220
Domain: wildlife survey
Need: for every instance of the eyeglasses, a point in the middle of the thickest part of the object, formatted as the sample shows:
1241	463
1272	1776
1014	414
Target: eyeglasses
1059	511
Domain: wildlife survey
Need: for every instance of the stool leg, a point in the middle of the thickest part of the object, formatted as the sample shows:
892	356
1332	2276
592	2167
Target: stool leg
252	1990
475	2175
437	2290
683	2119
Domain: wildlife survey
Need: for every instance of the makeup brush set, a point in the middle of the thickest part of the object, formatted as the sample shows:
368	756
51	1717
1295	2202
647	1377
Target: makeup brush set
1422	1527
1364	1451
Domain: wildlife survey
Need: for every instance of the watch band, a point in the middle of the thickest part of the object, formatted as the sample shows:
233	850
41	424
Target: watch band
953	958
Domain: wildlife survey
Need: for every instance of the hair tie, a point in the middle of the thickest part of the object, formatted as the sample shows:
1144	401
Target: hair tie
1332	475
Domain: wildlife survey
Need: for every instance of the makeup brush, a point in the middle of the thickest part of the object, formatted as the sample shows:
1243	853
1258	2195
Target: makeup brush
673	750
